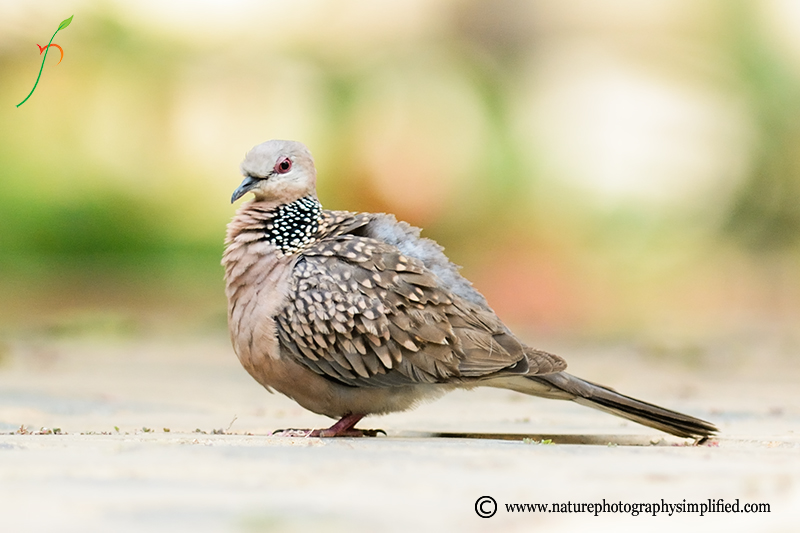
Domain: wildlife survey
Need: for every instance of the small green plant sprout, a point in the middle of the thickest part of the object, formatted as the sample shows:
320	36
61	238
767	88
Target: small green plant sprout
534	441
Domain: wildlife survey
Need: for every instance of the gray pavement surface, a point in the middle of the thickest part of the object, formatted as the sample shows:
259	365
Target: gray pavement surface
169	434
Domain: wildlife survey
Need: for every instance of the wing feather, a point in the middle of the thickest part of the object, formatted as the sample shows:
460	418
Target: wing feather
362	313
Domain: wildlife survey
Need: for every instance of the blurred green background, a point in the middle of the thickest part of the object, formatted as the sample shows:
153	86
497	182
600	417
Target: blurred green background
600	169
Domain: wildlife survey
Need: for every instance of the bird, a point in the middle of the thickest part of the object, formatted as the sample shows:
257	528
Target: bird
354	314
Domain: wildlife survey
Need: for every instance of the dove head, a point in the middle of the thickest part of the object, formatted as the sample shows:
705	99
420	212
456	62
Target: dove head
278	172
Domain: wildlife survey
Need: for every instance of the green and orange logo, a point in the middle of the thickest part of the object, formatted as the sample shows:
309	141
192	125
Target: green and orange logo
64	24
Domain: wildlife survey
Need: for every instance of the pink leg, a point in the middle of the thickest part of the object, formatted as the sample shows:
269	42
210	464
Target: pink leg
342	428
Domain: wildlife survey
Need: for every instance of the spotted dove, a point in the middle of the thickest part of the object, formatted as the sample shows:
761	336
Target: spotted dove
352	314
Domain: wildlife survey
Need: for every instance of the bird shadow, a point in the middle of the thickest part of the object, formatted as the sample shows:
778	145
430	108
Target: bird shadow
548	438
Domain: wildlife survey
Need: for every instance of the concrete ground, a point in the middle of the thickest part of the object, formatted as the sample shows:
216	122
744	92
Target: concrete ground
172	435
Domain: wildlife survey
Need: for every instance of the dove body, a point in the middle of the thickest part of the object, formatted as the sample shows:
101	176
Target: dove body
352	314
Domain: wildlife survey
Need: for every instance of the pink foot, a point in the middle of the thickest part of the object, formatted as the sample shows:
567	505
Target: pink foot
342	428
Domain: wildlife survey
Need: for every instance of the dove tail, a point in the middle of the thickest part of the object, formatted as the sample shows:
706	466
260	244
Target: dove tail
561	385
605	399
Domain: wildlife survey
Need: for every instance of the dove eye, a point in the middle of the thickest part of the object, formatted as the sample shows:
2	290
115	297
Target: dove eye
283	166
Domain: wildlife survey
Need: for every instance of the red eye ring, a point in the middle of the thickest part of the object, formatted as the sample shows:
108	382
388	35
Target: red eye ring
283	165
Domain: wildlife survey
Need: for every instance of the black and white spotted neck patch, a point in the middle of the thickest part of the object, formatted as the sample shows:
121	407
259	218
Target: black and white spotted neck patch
293	225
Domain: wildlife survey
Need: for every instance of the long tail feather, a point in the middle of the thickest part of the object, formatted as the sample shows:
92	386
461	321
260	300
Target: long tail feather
561	385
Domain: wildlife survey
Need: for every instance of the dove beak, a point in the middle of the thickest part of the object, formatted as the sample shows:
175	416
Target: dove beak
247	184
